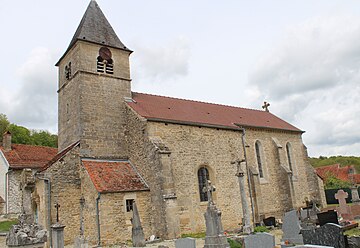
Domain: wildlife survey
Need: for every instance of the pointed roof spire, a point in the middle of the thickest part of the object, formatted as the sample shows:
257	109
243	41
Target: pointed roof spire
95	28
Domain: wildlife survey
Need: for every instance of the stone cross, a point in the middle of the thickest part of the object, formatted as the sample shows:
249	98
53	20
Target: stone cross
209	188
266	106
341	196
82	204
57	206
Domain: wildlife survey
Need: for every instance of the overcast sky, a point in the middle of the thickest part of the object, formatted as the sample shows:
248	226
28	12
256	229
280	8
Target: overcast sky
302	56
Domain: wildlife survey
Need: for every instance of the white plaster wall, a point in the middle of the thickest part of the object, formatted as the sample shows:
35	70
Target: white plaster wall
3	170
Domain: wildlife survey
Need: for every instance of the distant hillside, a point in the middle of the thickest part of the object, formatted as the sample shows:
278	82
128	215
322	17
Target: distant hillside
342	160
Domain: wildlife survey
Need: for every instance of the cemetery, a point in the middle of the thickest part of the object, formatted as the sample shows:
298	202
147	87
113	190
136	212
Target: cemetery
333	227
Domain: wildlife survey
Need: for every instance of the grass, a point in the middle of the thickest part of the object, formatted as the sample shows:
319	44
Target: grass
261	229
194	235
6	225
353	232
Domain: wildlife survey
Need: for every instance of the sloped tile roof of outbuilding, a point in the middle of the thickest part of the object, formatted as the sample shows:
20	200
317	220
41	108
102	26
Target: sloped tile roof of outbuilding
167	109
28	156
114	176
342	173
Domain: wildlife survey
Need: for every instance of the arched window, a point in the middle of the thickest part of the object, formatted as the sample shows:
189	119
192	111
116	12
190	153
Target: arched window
203	176
289	157
105	64
259	159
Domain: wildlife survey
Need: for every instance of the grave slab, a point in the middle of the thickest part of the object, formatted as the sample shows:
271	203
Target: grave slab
263	240
329	235
185	243
291	228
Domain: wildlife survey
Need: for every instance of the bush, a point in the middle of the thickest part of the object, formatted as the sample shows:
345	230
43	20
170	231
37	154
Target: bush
234	244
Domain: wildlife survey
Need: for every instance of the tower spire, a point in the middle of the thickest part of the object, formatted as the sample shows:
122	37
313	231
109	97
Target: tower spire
95	28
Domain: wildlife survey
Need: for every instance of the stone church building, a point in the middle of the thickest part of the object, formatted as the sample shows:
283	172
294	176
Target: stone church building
117	146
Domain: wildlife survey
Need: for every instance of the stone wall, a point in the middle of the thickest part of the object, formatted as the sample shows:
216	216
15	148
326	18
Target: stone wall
14	192
146	157
91	103
115	221
65	190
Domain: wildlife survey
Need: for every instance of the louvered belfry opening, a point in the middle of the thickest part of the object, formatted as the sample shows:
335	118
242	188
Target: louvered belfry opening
105	63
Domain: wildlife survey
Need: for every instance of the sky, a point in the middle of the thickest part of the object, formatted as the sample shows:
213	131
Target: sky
301	56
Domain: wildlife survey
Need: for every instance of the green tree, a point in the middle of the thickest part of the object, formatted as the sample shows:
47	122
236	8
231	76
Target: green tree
4	124
20	135
43	138
332	182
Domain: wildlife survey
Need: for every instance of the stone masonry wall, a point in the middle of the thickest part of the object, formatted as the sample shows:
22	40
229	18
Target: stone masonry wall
191	148
145	157
14	192
66	190
115	221
91	103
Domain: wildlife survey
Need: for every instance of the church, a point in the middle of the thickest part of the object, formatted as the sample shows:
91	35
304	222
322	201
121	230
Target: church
117	146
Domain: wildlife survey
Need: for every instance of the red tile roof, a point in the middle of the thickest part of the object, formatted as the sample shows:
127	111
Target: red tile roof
160	108
28	156
342	173
114	176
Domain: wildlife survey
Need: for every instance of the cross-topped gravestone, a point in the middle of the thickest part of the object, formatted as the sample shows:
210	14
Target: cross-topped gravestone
343	209
209	188
57	206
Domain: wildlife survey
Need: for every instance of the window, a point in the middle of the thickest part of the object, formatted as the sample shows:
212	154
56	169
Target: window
68	71
289	157
203	176
259	159
129	205
104	61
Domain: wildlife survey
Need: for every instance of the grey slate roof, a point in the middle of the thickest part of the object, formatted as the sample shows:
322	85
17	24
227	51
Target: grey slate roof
95	28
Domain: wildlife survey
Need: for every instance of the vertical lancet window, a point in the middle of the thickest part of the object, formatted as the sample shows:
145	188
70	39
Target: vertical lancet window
105	64
259	159
203	176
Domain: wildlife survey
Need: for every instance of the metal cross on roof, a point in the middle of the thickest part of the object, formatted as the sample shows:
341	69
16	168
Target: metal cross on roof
57	206
209	189
266	106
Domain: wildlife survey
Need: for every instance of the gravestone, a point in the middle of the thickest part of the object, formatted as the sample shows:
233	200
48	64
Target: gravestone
291	228
311	246
328	234
138	238
80	241
355	195
328	217
263	240
214	231
343	209
185	243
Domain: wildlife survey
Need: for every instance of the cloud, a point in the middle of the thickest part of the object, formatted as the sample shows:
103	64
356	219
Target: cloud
311	80
34	103
162	62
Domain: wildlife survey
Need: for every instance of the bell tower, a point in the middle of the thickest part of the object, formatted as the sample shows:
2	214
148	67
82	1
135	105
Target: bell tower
94	81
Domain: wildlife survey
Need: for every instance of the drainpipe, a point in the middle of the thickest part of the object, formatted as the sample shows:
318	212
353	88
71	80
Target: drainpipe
248	173
48	182
6	191
98	219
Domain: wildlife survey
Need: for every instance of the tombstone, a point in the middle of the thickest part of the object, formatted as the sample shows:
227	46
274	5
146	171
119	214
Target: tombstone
291	228
263	240
80	241
355	195
311	246
343	209
138	238
57	231
329	234
214	231
328	217
185	243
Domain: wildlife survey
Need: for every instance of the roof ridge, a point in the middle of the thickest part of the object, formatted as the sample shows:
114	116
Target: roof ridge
190	100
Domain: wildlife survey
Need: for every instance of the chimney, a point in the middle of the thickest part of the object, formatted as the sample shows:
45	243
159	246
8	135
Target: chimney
7	141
